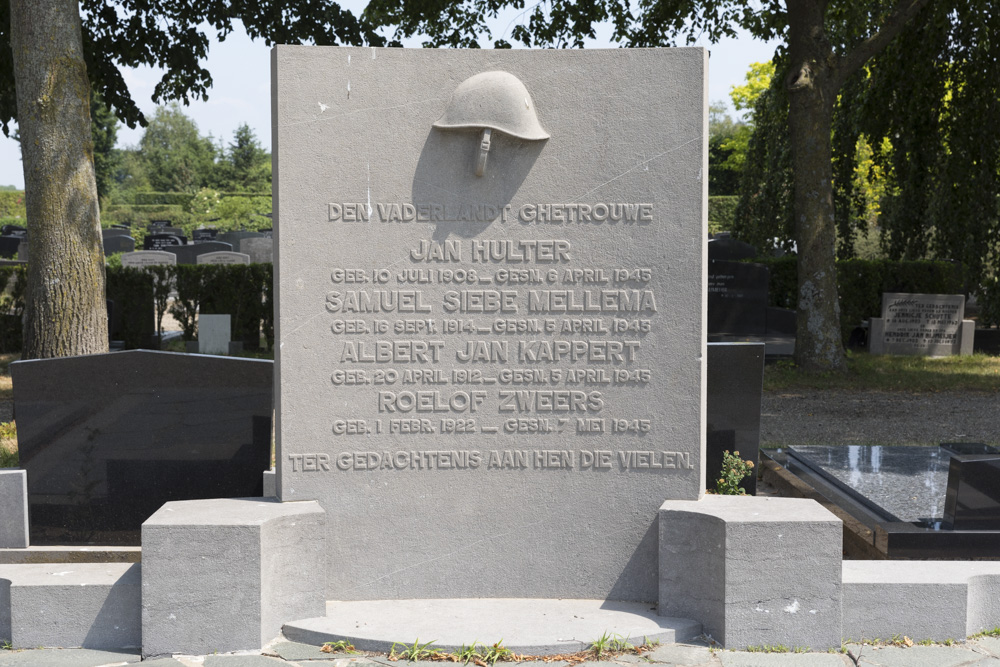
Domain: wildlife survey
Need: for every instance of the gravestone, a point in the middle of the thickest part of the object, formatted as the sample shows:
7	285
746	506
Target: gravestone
101	457
201	235
188	254
921	324
22	249
116	231
732	420
118	243
737	298
13	230
161	241
235	238
9	245
490	382
729	249
222	257
261	250
214	334
973	498
148	258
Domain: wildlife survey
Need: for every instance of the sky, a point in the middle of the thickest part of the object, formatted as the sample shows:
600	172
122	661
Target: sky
241	89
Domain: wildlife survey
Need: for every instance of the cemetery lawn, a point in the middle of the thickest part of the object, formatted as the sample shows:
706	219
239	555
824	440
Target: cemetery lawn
912	374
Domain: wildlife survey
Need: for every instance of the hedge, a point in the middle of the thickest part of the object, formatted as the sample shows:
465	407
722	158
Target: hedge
12	204
861	282
722	211
182	199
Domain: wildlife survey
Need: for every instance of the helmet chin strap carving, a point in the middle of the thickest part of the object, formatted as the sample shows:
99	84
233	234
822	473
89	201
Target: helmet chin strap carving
484	151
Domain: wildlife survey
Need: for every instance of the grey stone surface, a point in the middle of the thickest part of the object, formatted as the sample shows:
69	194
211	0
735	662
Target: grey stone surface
532	627
924	324
298	651
214	334
261	250
753	570
148	258
270	484
224	574
917	656
242	661
936	600
189	254
13	508
603	221
223	257
742	659
967	337
88	605
66	658
989	644
679	654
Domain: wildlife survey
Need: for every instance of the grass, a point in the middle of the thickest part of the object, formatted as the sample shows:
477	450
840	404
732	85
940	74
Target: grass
977	372
776	648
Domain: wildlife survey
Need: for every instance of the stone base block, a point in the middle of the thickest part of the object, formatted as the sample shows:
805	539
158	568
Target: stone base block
224	574
935	600
753	570
966	337
88	605
270	484
13	508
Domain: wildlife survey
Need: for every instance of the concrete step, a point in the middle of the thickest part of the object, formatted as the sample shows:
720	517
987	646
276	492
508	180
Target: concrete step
88	605
532	627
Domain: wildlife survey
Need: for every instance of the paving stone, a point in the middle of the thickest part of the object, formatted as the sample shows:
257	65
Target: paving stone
243	661
299	651
680	654
986	662
989	644
917	656
163	662
71	657
742	659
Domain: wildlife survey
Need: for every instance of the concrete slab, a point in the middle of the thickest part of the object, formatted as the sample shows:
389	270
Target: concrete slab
680	654
73	657
989	644
13	508
88	605
242	661
533	627
744	659
917	656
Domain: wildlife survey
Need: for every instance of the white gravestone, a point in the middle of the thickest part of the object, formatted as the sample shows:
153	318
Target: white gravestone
490	292
223	257
214	334
142	258
922	324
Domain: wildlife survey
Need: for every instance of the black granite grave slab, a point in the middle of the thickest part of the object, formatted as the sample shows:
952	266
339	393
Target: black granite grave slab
188	254
115	231
118	243
161	241
9	245
735	377
973	498
737	298
202	235
728	248
108	438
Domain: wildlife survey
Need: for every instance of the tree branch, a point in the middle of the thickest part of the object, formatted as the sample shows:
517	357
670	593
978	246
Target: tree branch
905	10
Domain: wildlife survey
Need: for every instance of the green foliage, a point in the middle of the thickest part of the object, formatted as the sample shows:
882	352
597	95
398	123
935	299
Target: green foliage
131	289
861	282
734	469
243	291
177	158
413	653
988	296
104	132
13	280
189	282
182	199
12	204
8	453
245	165
722	210
723	179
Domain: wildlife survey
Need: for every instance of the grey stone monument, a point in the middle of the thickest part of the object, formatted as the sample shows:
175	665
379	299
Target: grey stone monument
222	257
142	258
261	250
923	324
490	297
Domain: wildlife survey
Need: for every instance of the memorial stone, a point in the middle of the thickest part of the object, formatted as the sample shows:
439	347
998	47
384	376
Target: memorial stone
118	243
148	258
490	309
261	250
235	238
13	230
9	245
921	324
734	389
222	257
101	457
188	254
161	241
201	235
737	298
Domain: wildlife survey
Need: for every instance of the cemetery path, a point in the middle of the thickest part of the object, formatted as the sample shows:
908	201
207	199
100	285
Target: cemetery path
832	417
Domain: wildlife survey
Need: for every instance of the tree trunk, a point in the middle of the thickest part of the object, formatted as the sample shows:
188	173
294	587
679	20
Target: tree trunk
811	94
65	308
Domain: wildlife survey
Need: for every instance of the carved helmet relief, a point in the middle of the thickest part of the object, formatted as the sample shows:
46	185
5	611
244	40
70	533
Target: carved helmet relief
492	101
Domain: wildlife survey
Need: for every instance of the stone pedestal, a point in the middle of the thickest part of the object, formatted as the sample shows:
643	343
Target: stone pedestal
224	574
13	508
753	570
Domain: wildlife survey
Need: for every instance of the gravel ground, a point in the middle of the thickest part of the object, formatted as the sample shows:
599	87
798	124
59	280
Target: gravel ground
872	417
